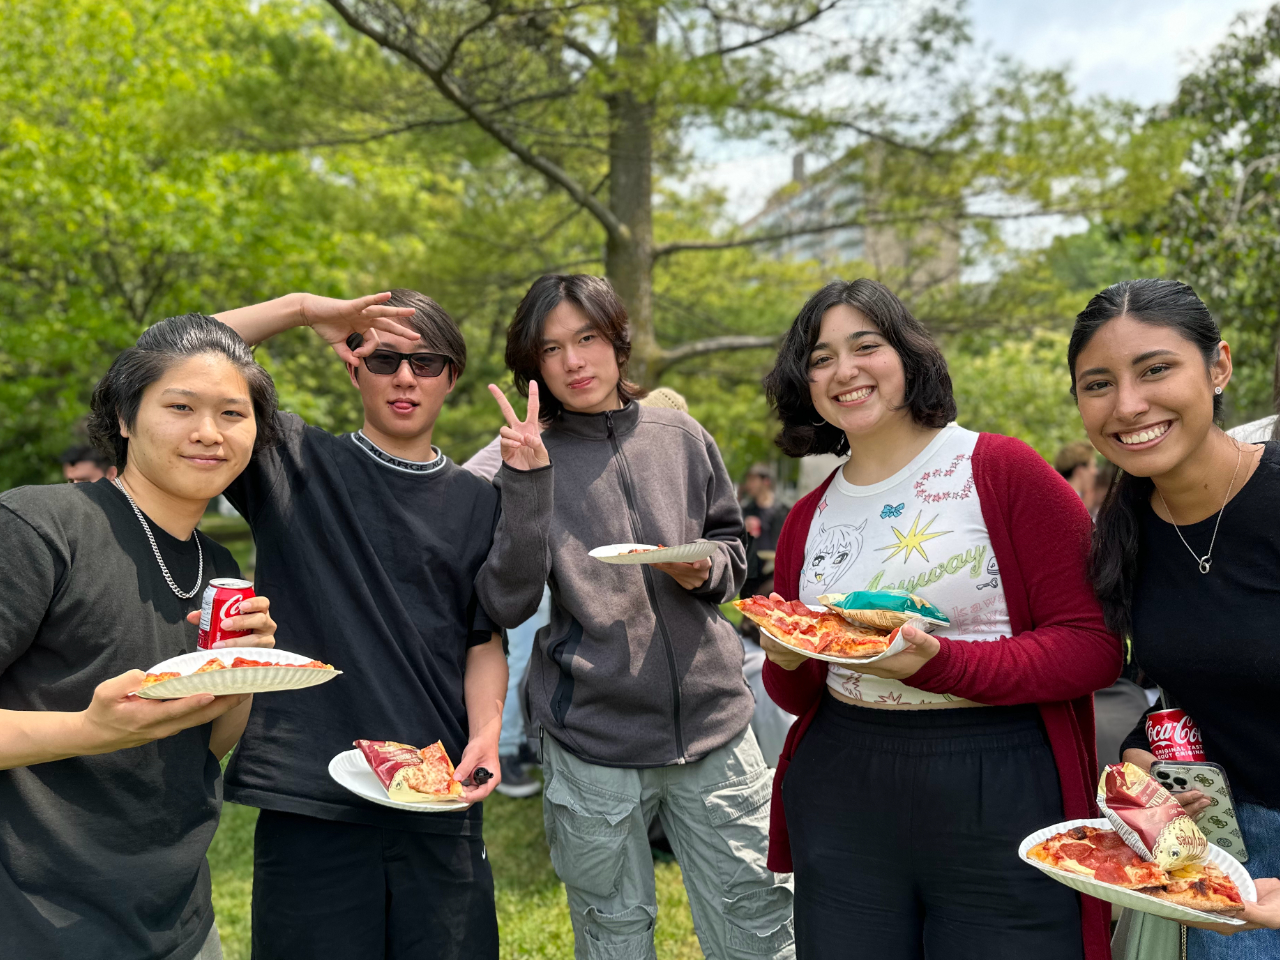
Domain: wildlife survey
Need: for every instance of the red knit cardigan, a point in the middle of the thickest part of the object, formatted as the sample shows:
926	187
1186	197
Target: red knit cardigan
1060	651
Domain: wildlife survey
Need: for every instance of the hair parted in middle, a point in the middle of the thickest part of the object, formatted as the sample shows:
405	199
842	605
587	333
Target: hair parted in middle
928	392
596	299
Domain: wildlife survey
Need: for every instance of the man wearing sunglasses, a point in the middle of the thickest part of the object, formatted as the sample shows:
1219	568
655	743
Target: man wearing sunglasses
371	542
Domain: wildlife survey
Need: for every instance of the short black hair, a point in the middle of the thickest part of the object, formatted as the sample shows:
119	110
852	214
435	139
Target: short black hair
118	394
928	384
80	452
439	331
602	307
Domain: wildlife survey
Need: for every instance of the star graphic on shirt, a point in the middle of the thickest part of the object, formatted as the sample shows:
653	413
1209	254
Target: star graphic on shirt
913	539
823	505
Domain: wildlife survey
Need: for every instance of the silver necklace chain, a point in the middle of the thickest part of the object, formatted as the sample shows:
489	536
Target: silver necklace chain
156	549
1207	560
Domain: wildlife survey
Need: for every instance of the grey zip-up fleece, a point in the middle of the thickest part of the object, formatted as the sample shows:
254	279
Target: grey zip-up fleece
634	670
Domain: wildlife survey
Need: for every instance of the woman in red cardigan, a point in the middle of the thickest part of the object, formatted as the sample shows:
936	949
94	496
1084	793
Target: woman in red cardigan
905	786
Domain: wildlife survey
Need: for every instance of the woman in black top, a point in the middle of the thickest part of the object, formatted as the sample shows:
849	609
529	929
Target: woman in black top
1186	554
108	802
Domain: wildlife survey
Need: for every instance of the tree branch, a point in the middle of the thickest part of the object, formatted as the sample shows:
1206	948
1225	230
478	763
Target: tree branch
697	348
790	27
616	229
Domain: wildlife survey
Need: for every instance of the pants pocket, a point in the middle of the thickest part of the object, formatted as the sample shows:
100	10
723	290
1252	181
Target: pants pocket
587	828
738	811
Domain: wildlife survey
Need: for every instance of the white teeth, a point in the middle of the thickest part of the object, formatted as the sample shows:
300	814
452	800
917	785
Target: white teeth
854	395
1145	435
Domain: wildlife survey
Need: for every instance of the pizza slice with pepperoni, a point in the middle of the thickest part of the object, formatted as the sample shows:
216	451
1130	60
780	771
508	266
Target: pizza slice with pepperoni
813	631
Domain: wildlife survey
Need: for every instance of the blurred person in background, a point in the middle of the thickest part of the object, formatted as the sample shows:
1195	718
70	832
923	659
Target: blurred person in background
763	514
85	464
108	801
1078	464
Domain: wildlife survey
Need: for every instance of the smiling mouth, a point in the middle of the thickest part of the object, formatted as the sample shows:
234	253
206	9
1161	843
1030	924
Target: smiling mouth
852	396
204	460
1144	435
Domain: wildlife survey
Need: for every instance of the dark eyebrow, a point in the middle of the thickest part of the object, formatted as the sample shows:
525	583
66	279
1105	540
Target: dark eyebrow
195	396
1140	358
823	345
585	328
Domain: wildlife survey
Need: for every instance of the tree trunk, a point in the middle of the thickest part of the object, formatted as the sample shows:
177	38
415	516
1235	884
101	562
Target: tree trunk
629	260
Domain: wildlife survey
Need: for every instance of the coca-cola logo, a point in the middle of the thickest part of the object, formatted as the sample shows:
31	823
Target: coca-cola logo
231	608
1181	731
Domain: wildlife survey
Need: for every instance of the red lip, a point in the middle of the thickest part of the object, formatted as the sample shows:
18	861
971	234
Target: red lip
579	384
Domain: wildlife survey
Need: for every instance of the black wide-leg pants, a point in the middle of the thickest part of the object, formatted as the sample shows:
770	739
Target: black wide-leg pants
904	829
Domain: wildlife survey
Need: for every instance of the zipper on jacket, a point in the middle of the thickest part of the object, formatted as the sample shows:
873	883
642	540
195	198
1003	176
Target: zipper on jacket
636	534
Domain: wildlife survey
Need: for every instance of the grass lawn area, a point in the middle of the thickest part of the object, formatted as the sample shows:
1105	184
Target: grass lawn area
533	919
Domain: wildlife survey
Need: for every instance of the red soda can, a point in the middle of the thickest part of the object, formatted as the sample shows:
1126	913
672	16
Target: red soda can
1174	736
222	598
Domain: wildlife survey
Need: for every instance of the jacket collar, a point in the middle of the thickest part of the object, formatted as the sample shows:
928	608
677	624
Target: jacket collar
596	426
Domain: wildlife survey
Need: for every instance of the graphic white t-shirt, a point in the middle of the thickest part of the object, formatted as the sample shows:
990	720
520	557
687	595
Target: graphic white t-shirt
920	530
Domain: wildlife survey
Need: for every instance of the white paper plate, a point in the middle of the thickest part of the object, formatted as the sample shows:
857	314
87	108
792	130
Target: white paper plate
684	553
351	770
239	680
897	646
1132	898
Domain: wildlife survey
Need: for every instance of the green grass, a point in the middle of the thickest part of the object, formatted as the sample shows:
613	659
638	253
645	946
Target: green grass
533	918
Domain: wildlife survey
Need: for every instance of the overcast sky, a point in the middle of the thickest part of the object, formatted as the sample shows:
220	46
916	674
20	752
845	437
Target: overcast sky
1134	49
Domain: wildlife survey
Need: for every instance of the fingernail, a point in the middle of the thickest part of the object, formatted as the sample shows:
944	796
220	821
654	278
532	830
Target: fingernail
217	644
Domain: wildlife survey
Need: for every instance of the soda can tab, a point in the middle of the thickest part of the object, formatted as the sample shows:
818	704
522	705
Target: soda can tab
1149	818
222	599
1174	736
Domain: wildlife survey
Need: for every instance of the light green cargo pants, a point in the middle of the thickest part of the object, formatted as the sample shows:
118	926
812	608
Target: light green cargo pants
715	813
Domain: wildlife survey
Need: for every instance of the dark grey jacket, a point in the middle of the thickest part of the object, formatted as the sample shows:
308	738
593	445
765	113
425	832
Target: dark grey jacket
634	671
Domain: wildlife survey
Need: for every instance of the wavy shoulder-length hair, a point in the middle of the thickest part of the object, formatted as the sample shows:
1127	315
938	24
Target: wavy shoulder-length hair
928	392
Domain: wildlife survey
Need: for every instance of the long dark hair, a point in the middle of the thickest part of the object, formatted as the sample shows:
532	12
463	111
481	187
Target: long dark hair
596	298
928	384
1113	561
118	394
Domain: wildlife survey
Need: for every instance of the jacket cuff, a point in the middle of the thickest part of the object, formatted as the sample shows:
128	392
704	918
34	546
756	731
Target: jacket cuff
933	676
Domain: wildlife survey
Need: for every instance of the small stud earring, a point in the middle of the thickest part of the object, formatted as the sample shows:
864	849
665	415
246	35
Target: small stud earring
1217	390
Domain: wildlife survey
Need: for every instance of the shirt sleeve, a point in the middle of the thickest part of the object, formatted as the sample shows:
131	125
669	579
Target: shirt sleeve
510	582
252	488
723	526
486	461
1137	738
30	572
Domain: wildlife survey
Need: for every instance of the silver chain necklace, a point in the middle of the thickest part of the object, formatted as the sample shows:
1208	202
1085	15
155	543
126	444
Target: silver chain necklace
156	550
1207	559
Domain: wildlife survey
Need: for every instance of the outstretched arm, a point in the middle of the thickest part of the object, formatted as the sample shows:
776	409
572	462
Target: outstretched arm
333	319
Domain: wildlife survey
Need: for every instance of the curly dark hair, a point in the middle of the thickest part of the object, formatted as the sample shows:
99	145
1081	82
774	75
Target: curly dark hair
928	384
118	394
596	298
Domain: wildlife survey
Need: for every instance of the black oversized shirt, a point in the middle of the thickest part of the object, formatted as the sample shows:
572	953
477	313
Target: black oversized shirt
1212	641
100	856
369	566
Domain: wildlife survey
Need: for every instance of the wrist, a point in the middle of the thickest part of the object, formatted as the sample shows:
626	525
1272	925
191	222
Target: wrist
83	736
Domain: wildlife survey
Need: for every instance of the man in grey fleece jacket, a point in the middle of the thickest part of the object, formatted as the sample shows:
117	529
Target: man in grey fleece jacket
637	683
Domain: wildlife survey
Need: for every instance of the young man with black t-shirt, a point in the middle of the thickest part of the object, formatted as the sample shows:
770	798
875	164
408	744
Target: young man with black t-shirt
369	544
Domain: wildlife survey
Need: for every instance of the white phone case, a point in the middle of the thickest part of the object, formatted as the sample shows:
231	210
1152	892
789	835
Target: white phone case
1218	823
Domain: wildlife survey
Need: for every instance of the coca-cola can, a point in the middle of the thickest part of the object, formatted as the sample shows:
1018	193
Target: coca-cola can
222	599
1174	736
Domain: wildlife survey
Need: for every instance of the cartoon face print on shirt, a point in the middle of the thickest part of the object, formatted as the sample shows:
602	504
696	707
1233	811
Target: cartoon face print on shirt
832	555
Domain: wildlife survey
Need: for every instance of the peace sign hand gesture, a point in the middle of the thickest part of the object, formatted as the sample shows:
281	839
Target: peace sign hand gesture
521	440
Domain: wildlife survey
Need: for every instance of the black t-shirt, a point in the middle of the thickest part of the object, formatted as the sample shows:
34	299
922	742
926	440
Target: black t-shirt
370	566
1212	641
100	856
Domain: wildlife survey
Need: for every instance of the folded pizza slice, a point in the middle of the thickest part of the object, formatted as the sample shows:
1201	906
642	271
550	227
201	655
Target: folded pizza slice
410	775
153	678
210	665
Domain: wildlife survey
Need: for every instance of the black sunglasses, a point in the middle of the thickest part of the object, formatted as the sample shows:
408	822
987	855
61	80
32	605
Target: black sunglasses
387	362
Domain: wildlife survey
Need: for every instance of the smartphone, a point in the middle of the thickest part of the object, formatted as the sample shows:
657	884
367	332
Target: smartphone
1218	822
